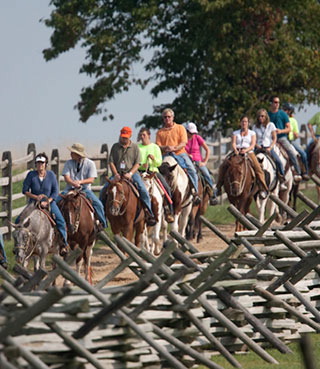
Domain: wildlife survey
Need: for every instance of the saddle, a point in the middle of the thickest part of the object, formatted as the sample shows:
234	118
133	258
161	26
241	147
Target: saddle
133	187
47	213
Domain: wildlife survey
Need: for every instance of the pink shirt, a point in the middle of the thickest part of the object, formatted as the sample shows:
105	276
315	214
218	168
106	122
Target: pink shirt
193	147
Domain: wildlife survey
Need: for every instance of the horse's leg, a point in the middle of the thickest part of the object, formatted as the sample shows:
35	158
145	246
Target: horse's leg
183	219
87	261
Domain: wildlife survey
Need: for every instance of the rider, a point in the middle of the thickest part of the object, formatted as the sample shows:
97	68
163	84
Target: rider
125	160
193	148
80	172
315	135
266	133
172	139
243	142
151	159
41	185
282	123
293	135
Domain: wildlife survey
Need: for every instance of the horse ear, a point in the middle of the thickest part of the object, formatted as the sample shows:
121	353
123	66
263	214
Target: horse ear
27	223
14	225
260	160
173	167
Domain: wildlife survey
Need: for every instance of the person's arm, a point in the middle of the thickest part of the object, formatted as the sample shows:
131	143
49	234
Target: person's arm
285	130
310	127
274	140
207	152
234	144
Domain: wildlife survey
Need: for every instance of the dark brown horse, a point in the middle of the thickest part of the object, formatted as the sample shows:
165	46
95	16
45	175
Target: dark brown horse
240	184
124	210
194	226
79	216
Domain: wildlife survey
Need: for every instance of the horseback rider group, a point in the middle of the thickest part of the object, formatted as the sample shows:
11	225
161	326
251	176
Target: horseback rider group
127	159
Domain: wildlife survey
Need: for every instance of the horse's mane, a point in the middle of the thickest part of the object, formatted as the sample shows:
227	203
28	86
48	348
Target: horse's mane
27	211
172	161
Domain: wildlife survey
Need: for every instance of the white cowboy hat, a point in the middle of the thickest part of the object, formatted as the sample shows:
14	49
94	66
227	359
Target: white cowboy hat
78	149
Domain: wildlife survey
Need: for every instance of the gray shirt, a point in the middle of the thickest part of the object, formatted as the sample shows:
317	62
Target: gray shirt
86	169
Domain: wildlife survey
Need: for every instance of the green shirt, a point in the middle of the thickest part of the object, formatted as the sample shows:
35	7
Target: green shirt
315	121
154	150
294	128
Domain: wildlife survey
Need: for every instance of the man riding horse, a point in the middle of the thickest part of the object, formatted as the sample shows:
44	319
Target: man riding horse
124	161
80	172
172	139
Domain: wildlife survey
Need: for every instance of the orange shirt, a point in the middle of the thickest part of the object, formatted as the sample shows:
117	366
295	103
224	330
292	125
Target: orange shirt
172	137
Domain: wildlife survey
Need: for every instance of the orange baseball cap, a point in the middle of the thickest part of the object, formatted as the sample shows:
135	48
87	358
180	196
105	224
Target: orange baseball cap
126	132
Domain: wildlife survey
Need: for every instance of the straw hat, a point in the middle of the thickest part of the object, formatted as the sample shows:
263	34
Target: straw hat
78	149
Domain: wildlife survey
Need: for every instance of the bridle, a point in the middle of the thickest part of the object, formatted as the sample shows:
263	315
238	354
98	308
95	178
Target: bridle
116	210
30	241
240	182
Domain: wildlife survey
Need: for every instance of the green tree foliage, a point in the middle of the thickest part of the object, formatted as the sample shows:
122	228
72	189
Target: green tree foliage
221	58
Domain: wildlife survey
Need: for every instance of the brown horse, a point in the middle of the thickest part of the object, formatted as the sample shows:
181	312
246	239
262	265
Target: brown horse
79	216
194	226
240	184
124	210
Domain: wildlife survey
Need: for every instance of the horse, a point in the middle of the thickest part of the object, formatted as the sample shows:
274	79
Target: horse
78	213
180	186
34	236
315	162
124	210
157	202
194	226
240	184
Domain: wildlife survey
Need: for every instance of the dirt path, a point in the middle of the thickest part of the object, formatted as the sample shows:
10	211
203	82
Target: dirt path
104	260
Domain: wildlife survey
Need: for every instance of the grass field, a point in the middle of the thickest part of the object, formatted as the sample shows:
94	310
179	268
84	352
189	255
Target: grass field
286	361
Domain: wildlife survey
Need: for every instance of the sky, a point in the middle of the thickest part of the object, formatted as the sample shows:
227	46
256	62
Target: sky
38	97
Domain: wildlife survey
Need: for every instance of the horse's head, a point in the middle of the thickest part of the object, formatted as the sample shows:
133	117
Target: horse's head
116	198
235	175
70	208
167	169
24	241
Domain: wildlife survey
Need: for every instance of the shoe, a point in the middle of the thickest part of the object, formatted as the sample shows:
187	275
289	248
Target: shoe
283	187
263	194
297	178
169	218
213	201
305	176
99	226
4	265
196	199
150	220
63	251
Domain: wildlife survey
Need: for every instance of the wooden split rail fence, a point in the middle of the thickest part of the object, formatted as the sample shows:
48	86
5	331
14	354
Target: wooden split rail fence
185	307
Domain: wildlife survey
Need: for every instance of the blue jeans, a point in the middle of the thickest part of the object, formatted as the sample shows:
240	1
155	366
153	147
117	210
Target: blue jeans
302	153
205	172
278	162
287	146
144	195
185	162
96	203
2	250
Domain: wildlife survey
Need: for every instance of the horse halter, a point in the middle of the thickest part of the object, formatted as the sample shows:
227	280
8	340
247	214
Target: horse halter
240	182
116	204
25	247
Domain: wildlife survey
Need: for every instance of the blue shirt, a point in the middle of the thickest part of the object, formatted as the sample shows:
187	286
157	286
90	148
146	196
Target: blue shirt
280	119
48	186
84	169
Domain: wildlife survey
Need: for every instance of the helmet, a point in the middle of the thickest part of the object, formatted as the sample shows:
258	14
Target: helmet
288	107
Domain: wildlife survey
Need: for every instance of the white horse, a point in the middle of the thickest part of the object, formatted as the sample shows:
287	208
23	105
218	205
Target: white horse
274	184
157	201
180	186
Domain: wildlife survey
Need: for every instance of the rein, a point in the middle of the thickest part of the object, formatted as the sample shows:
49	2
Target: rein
120	202
242	180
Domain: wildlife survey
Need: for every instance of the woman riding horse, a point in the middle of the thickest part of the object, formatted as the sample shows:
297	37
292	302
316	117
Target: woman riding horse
266	133
243	142
41	185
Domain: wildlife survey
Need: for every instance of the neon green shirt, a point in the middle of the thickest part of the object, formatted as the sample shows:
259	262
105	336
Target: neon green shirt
315	121
154	150
294	128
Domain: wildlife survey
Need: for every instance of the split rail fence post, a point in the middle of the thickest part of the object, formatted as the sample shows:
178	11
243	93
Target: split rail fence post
55	164
6	198
104	163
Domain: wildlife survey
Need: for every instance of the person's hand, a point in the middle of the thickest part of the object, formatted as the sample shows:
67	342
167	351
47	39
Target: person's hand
44	204
76	184
128	175
268	149
150	156
202	164
41	196
145	165
117	177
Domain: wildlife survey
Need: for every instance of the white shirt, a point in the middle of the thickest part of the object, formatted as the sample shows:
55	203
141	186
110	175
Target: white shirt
243	142
264	134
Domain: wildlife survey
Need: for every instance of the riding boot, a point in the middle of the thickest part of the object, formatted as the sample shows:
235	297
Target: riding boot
168	213
282	180
214	198
150	219
63	248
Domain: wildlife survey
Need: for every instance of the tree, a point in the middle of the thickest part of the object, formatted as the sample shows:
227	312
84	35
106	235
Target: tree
222	58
